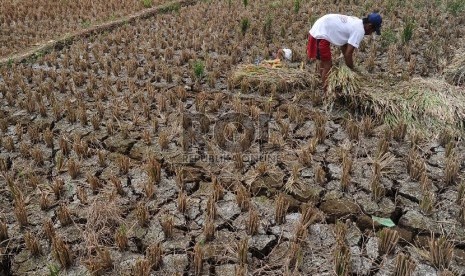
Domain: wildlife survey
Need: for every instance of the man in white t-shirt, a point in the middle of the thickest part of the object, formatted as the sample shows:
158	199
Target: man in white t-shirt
340	30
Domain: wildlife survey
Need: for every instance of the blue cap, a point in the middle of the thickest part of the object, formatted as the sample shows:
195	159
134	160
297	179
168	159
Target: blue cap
375	19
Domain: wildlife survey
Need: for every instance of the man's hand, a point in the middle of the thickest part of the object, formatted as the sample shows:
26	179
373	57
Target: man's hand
348	51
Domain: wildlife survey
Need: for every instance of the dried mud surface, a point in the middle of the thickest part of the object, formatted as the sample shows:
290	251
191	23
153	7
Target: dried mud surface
103	140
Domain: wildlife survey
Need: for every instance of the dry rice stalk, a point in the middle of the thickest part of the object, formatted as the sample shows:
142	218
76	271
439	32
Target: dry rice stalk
340	231
253	222
242	197
211	208
242	249
154	255
101	158
415	165
48	229
44	202
312	144
118	185
61	252
352	129
320	174
240	270
305	157
440	252
153	168
461	193
149	190
63	215
32	244
20	209
142	213
445	137
404	265
342	260
182	202
58	187
101	263
461	217
399	131
141	268
451	171
3	231
218	190
310	214
104	217
450	149
94	182
449	272
282	204
455	71
427	203
82	195
341	250
123	163
388	241
73	168
198	259
346	168
425	182
121	239
368	125
209	229
377	188
294	258
167	226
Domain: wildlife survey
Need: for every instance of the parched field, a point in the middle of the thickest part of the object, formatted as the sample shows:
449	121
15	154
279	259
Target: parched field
25	24
134	152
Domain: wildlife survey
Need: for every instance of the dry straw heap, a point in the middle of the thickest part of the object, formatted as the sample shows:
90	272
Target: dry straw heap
250	77
430	105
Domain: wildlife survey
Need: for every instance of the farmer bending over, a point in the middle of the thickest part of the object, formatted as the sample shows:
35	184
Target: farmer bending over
341	30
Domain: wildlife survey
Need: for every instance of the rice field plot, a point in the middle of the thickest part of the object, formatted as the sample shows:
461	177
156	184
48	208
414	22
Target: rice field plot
25	24
126	153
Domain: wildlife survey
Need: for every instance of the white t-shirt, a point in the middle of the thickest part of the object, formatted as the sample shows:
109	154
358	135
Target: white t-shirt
339	29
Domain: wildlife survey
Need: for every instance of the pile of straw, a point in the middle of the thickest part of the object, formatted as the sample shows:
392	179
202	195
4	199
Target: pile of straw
455	72
251	78
429	105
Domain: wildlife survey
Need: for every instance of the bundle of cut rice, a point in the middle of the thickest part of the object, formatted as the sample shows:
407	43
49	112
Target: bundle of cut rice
261	77
430	105
343	81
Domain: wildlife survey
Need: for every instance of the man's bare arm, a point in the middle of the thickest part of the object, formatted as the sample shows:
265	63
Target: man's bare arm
348	52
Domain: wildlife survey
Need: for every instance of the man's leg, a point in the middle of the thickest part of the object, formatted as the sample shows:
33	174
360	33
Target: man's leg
324	52
325	66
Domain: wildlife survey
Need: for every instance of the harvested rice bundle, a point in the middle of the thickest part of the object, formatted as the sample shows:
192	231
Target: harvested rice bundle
455	72
251	77
430	105
343	83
